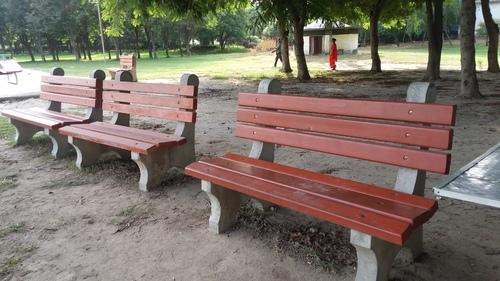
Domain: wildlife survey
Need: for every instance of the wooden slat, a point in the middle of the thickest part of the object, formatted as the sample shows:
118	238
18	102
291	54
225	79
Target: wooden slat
59	115
35	120
159	140
148	99
63	119
69	99
109	140
403	134
388	110
390	208
67	80
157	88
176	115
359	187
399	156
383	227
69	90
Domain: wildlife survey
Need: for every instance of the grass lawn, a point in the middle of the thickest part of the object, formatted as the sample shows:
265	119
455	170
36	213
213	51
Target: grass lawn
242	64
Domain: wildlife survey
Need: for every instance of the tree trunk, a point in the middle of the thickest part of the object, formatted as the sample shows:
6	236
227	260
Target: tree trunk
27	45
374	38
285	53
166	38
117	48
136	43
469	83
39	46
299	20
87	46
492	29
435	44
148	39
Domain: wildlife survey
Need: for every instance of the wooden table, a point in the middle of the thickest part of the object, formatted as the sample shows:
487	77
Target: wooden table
477	182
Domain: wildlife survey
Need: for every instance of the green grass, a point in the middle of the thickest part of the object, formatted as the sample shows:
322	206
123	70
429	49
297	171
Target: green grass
238	63
13	228
7	131
8	266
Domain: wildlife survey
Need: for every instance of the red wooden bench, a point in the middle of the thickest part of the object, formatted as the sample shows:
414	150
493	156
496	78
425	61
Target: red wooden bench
59	89
153	152
409	135
128	63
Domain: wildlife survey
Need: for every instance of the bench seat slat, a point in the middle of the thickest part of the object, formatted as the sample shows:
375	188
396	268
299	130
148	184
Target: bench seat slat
61	116
69	99
397	133
337	193
157	88
157	139
179	115
398	111
109	140
69	90
384	227
400	156
148	99
33	119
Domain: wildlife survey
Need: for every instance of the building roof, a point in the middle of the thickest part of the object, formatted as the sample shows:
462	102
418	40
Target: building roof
319	28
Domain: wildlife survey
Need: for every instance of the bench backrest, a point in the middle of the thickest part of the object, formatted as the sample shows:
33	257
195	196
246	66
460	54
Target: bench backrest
158	100
396	133
128	61
72	90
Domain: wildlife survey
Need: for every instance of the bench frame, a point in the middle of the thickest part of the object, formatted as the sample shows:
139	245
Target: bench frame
375	256
60	146
153	166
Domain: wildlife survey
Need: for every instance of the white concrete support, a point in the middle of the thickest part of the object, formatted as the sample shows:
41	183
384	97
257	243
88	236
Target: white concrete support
183	155
261	150
375	257
87	153
225	205
60	146
153	168
24	131
119	118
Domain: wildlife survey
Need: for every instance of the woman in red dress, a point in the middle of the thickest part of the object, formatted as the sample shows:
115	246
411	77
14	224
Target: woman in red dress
333	55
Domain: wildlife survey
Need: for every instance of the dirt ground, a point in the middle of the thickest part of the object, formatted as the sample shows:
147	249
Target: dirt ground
58	223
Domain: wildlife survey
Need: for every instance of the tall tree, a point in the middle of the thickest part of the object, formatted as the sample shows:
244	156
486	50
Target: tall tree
469	84
434	10
492	29
298	11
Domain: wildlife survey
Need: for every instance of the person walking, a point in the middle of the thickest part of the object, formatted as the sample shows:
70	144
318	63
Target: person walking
277	50
333	55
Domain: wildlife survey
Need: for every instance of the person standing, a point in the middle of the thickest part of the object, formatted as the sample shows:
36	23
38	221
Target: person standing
278	53
333	54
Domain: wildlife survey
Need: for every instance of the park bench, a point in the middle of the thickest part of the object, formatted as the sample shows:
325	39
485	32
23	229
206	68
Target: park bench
127	63
382	220
10	67
59	89
154	152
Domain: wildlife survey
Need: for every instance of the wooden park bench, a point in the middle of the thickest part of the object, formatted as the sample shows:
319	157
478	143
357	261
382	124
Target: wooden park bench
409	135
127	63
10	67
154	152
59	89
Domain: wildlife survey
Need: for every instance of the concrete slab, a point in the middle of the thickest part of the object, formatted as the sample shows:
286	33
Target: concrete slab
27	87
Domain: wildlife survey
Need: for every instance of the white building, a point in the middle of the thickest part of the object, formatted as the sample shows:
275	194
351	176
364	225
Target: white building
495	12
317	39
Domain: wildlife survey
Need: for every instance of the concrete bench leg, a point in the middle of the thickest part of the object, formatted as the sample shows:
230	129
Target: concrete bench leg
60	145
87	153
375	257
153	168
183	155
24	131
225	204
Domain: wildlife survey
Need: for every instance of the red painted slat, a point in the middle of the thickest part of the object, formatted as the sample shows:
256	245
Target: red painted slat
339	193
26	117
109	140
388	110
175	115
68	80
135	134
69	99
383	227
59	115
403	134
399	156
150	99
158	88
69	90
